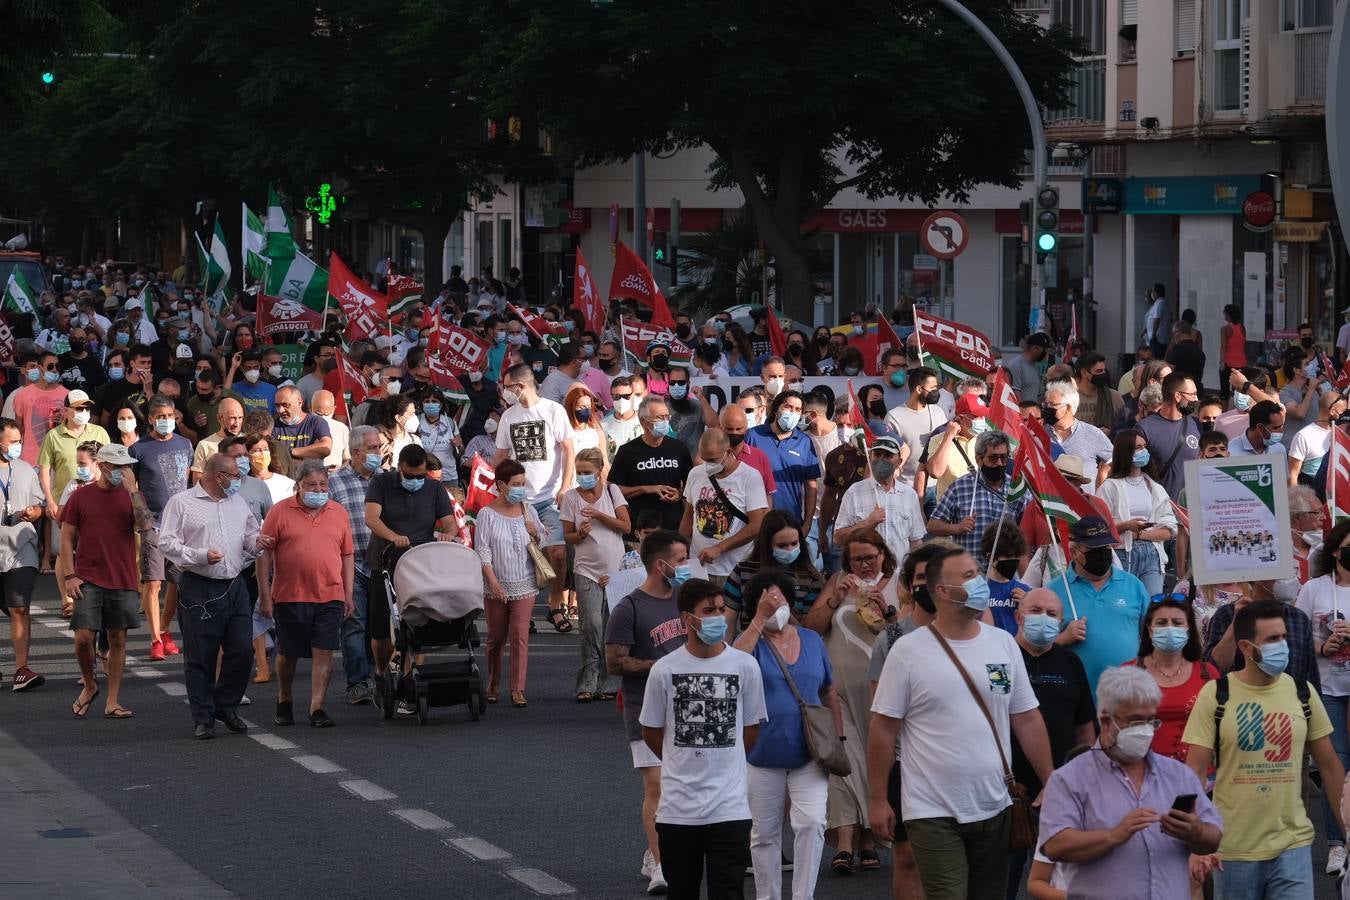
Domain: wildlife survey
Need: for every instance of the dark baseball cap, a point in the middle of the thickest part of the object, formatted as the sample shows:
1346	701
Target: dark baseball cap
1092	532
1038	339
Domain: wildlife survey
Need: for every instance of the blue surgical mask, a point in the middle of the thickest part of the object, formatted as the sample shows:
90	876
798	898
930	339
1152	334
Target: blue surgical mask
679	391
787	420
14	451
242	464
315	499
587	482
711	629
499	337
115	477
898	378
374	461
681	574
663	430
1274	658
588	349
83	473
1242	401
1140	458
583	415
51	377
979	426
431	409
184	334
977	594
412	485
164	426
116	373
1040	629
122	338
1275	437
230	489
33	374
515	495
786	557
1170	638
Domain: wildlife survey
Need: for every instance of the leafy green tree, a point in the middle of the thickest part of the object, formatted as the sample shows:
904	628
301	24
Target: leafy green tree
801	100
719	268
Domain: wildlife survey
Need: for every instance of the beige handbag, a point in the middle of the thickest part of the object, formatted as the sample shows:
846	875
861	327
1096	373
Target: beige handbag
823	741
543	571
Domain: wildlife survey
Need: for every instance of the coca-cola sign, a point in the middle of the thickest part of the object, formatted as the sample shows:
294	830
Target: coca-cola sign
1258	210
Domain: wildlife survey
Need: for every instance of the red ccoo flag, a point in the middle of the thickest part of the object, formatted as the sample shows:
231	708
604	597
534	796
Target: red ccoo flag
586	298
777	340
1005	413
632	280
482	485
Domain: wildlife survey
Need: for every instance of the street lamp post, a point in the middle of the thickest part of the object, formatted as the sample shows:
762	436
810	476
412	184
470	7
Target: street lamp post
1033	111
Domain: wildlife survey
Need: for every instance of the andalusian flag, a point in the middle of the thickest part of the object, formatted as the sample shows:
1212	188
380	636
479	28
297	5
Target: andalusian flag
218	269
299	280
19	296
254	244
280	239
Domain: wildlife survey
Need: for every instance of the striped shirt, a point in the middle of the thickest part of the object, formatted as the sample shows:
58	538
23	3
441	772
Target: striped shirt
194	522
348	488
501	541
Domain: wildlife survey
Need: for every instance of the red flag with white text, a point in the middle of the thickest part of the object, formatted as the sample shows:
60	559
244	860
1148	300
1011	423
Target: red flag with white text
632	280
459	349
586	298
958	350
365	309
1005	413
539	326
638	334
462	522
482	488
1338	476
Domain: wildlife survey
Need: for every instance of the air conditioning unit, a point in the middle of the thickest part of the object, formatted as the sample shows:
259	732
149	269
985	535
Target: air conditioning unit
1309	164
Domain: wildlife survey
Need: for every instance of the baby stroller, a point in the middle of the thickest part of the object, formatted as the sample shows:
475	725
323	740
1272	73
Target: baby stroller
435	594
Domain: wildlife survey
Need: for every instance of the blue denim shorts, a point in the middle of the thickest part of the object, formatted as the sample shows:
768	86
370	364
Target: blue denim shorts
551	519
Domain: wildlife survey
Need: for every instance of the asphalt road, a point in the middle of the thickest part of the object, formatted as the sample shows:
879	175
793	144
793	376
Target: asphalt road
523	803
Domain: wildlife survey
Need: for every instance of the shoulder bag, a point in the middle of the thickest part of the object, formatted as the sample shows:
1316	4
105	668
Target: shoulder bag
822	738
731	507
543	569
1023	834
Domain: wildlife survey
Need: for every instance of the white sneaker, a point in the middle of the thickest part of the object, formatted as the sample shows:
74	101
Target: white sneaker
648	863
1335	859
658	883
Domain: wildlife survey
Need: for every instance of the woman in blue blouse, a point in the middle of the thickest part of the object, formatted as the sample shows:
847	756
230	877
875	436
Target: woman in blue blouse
780	765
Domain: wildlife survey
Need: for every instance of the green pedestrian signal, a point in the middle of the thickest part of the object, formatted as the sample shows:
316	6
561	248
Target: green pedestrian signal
48	77
660	254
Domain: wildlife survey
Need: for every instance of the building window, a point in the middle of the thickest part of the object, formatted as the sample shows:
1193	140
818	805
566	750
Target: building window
1185	28
1086	19
1129	29
1228	18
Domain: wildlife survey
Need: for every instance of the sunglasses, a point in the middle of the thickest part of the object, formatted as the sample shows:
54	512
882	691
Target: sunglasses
1163	598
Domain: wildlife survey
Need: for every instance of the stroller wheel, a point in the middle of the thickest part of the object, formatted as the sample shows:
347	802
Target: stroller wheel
475	705
422	706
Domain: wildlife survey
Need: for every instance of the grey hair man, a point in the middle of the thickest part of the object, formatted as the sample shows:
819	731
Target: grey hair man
979	499
1087	442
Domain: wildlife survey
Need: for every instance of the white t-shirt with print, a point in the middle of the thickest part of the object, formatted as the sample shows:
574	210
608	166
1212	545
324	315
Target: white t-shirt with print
713	522
703	705
948	762
531	437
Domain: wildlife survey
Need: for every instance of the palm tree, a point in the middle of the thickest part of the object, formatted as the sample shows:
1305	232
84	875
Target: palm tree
720	268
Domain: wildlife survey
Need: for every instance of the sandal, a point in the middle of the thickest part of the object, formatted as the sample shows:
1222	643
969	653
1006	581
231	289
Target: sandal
869	860
118	712
558	619
842	864
493	696
608	695
585	696
518	699
82	709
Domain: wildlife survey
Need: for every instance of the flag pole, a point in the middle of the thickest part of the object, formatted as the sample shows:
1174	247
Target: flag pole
1063	573
998	532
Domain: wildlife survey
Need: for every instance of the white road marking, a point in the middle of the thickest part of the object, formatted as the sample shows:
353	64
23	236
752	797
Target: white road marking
421	818
366	790
478	848
540	882
147	673
173	688
272	741
317	764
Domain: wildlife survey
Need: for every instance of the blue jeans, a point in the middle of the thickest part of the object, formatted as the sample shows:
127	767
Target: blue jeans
1288	875
356	655
1143	562
1336	712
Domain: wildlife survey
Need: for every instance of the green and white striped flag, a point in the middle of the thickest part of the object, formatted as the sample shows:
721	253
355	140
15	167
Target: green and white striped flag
19	296
218	269
280	239
299	280
254	244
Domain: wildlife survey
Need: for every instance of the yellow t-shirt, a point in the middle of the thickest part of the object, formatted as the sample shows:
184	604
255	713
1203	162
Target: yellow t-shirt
1259	787
956	463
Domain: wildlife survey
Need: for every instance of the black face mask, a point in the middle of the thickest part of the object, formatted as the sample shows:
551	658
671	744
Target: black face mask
1050	414
822	342
993	474
1006	567
728	345
877	408
735	440
1097	561
682	332
1306	342
1206	427
1101	381
923	600
1188	408
794	350
607	364
932	397
78	346
659	362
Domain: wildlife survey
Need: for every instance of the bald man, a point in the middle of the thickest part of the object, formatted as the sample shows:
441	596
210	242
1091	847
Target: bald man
734	423
322	404
230	413
306	436
1060	684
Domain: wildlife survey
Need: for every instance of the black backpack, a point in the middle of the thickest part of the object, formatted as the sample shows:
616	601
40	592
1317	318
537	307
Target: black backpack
1221	702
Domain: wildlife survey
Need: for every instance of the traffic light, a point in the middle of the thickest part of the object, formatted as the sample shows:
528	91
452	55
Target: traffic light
660	248
1047	219
48	78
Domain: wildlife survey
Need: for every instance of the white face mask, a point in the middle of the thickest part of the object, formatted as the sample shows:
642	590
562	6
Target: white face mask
82	417
774	386
490	426
1311	538
475	377
623	406
126	426
393	386
274	370
412	425
1134	741
252	375
779	619
714	468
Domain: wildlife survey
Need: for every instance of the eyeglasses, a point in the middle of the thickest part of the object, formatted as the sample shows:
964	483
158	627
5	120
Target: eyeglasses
618	397
997	459
867	558
1130	723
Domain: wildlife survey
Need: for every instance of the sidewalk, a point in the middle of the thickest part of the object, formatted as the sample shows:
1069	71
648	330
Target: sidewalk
61	842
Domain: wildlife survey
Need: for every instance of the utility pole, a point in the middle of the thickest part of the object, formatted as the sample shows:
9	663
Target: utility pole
640	205
1033	110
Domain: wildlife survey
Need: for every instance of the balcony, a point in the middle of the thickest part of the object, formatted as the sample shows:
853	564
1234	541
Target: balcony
1310	60
1087	95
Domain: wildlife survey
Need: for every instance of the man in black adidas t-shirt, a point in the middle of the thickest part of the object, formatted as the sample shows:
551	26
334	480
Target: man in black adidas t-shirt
650	470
